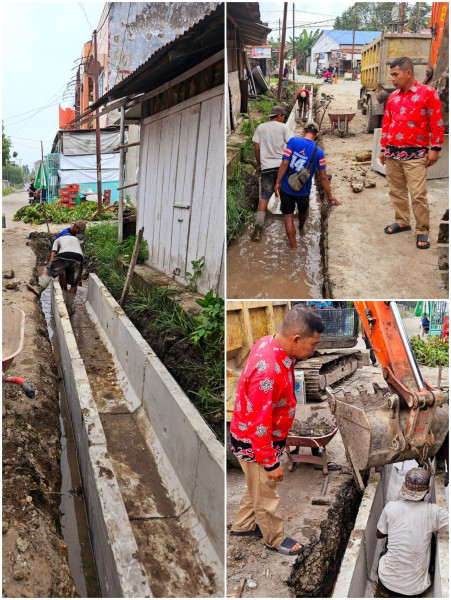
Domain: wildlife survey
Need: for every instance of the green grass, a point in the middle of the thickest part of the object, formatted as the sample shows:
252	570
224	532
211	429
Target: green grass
10	190
237	208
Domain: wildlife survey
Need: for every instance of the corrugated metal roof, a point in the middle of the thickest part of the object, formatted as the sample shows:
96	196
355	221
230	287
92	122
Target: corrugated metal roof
247	17
203	39
345	37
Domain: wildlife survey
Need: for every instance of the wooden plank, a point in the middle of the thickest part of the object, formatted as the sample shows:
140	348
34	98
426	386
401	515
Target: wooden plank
159	190
143	168
123	187
131	266
126	146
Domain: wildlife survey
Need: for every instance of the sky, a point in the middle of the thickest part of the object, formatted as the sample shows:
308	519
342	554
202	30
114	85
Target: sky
40	42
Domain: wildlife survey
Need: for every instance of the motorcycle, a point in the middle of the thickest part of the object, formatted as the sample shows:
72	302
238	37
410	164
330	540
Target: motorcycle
329	79
319	72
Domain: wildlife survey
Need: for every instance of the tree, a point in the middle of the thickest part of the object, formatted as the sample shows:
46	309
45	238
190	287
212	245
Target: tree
26	170
418	16
303	44
6	146
13	174
371	16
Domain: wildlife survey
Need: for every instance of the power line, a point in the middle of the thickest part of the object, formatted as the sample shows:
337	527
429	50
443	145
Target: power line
104	20
83	9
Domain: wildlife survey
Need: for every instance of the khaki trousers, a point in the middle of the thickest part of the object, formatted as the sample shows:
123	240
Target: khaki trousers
259	504
404	176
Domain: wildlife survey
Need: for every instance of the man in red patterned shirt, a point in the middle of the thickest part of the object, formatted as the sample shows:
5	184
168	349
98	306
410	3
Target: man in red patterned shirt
412	137
264	411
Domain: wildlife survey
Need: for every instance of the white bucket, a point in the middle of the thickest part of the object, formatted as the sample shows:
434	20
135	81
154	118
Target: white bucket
299	387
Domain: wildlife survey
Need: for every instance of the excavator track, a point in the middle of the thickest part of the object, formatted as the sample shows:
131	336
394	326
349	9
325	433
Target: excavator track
328	369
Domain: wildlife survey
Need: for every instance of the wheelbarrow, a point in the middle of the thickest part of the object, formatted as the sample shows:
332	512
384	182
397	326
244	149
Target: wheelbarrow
317	443
340	122
13	329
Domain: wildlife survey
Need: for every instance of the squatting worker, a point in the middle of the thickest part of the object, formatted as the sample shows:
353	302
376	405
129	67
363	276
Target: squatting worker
75	229
303	99
412	136
263	414
66	259
296	157
269	140
409	524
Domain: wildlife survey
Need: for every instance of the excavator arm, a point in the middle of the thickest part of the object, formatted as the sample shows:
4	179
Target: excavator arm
408	418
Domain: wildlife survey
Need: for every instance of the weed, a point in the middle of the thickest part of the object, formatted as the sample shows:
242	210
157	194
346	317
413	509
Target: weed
237	208
432	353
191	278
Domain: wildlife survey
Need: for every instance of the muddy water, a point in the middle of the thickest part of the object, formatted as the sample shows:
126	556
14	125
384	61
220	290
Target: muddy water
74	525
271	268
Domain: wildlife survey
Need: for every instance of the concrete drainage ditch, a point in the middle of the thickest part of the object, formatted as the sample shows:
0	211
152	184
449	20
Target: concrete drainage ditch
152	471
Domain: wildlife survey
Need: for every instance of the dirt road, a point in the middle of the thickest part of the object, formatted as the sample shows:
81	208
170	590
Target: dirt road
363	261
34	554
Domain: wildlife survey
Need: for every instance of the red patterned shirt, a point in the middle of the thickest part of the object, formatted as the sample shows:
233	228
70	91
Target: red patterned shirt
265	404
412	123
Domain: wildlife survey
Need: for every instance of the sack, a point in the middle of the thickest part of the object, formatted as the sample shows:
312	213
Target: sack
296	181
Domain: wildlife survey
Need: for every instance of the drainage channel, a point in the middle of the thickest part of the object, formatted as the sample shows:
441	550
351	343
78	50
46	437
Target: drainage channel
271	268
73	518
161	519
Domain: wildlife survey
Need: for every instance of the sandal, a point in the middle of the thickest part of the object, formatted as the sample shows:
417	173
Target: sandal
254	533
396	228
423	238
285	547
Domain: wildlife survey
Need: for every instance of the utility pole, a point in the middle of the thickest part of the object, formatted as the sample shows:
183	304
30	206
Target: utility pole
99	164
284	30
403	10
353	35
42	174
294	68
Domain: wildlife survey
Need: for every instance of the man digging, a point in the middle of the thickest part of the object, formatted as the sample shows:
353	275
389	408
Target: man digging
262	418
66	262
412	137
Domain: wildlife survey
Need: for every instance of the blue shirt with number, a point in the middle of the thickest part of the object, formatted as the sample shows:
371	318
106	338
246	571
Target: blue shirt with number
299	151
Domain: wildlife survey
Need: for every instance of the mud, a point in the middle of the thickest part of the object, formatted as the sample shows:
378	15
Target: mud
35	557
311	428
314	572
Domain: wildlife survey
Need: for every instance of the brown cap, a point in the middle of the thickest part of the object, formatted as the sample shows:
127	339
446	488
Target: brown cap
416	485
278	110
312	125
81	225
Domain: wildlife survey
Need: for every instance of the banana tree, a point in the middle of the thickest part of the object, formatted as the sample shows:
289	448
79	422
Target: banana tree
303	44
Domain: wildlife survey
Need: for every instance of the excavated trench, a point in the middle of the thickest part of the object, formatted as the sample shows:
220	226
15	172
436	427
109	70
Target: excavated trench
270	268
72	509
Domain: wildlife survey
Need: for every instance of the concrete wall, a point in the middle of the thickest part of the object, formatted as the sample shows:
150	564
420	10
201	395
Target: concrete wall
437	171
113	542
196	456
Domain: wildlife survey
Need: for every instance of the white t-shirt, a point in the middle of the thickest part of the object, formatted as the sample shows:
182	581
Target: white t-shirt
272	137
67	243
409	525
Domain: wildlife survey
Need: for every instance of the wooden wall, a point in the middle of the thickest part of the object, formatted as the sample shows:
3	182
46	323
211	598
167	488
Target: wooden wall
182	188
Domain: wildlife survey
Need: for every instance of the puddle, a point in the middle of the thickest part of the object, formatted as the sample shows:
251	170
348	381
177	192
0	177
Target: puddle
73	520
271	268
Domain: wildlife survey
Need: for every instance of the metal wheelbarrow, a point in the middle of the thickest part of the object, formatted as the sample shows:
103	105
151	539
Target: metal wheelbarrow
320	443
340	122
13	329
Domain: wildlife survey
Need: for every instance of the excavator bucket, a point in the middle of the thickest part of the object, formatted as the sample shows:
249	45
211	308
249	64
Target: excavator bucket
373	427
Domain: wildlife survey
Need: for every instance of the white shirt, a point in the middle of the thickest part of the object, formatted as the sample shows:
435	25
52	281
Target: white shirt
409	525
67	243
272	137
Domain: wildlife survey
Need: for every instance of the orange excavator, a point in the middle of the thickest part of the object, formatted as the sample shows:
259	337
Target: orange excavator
409	420
437	74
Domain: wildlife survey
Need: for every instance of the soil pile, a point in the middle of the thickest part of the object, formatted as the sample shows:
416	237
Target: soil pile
311	428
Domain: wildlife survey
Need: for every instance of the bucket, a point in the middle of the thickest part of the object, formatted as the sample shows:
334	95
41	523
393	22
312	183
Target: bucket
299	387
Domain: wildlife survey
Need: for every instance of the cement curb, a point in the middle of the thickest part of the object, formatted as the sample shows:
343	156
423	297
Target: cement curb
113	542
195	454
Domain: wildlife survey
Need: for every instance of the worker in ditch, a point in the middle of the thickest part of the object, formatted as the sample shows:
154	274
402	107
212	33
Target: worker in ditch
66	261
269	140
408	524
303	99
300	159
411	140
263	415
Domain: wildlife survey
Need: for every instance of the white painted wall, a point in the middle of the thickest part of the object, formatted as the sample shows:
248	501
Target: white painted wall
182	163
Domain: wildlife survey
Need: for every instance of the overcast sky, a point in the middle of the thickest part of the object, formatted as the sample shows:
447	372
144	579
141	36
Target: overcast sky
40	42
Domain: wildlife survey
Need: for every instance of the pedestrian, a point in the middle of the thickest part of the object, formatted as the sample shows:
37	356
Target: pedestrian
33	193
285	71
303	99
270	140
412	122
408	525
300	154
264	412
66	262
425	323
